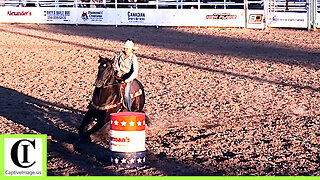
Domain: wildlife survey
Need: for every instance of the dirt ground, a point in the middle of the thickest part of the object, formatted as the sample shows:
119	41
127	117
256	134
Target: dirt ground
222	101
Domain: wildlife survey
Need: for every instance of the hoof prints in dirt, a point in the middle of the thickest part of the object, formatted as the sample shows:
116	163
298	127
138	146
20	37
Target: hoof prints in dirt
242	102
236	152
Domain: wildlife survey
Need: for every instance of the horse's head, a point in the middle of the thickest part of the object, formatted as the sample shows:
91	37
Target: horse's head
105	72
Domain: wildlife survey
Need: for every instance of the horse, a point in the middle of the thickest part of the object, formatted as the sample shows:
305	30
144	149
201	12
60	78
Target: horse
108	98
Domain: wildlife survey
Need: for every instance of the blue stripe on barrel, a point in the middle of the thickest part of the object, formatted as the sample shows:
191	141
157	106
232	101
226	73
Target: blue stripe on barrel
128	160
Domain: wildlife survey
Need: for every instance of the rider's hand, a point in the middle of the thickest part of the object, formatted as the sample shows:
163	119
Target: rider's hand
119	79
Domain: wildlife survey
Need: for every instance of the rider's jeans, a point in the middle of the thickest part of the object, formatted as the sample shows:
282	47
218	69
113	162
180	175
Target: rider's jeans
127	98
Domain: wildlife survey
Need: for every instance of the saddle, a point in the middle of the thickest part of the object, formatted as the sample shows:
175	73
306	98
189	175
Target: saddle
133	94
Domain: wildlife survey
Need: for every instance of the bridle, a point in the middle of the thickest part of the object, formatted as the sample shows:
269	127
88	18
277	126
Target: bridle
110	106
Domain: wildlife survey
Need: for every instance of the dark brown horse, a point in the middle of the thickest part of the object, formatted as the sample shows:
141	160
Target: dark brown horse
107	99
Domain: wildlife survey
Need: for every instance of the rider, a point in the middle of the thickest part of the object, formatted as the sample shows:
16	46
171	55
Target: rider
126	70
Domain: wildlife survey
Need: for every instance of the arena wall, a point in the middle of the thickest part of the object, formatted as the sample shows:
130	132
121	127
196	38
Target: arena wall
246	14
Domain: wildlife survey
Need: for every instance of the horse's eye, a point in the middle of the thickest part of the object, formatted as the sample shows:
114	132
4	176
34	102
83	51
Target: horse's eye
104	65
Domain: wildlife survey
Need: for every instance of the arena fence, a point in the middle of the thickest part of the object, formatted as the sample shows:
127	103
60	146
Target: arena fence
219	13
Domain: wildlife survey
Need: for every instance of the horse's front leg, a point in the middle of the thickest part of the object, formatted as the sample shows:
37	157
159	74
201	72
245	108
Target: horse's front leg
102	118
85	122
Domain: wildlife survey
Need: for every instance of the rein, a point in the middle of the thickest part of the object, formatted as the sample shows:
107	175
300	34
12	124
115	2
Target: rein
106	107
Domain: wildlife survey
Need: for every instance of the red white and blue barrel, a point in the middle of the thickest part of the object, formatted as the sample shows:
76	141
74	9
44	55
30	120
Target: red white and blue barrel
127	142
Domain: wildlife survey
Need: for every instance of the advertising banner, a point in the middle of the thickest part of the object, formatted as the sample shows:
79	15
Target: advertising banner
59	16
223	18
96	16
137	16
19	15
289	19
182	17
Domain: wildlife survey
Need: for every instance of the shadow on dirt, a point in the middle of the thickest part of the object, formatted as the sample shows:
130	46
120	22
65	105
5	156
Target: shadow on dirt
282	55
169	38
60	123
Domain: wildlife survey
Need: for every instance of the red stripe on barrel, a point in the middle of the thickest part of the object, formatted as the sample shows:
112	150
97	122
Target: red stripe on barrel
128	121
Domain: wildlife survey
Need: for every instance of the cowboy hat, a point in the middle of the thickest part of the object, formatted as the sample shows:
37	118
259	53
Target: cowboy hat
130	44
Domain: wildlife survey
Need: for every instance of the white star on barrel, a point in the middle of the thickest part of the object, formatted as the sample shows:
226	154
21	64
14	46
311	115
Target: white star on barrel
116	123
139	160
132	161
139	123
123	123
123	160
131	123
116	160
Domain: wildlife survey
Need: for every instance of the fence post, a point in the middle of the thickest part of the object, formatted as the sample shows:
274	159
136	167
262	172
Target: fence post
245	13
309	14
314	14
116	7
266	14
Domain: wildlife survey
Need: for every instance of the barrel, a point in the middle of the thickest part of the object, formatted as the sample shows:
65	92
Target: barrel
127	143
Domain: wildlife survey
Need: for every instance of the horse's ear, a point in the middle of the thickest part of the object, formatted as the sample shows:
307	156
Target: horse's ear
113	59
100	59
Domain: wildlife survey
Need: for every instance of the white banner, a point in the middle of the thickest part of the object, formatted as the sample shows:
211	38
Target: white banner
58	15
17	15
142	17
127	141
290	19
154	17
181	17
96	16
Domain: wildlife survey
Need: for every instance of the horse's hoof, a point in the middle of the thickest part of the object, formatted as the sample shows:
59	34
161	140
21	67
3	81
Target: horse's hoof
83	139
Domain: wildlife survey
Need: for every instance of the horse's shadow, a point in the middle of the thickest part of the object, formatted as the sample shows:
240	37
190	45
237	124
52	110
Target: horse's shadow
61	124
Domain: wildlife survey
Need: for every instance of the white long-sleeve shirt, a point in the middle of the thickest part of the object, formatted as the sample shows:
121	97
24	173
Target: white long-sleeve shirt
123	66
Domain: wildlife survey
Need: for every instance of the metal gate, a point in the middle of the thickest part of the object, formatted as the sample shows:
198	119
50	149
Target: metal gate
317	13
292	13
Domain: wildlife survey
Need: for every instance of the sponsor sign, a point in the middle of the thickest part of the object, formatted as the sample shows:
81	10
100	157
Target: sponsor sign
221	16
18	13
92	16
255	18
23	155
289	19
136	16
55	15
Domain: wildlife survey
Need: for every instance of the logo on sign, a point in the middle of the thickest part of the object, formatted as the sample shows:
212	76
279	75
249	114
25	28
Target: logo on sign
136	16
255	18
84	16
274	18
221	16
24	157
92	16
19	13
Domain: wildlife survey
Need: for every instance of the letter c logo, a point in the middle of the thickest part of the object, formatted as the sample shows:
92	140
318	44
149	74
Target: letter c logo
14	153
